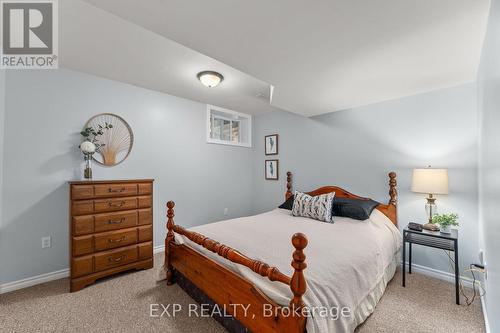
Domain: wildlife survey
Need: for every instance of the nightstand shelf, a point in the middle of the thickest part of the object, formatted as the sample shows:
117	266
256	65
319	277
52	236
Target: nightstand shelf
434	239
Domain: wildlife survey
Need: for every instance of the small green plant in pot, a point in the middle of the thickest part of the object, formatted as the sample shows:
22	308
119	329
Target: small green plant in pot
445	221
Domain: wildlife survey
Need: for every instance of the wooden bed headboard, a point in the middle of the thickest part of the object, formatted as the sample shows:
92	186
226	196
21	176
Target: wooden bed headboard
389	210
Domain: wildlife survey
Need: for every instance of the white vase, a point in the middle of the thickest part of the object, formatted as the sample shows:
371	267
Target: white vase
445	229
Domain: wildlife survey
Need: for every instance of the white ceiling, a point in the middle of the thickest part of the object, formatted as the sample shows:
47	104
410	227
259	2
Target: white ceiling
321	55
97	42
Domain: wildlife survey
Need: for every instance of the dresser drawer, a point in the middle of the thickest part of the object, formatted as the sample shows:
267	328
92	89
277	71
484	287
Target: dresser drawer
146	188
114	239
145	216
83	245
145	250
82	191
83	225
114	258
82	207
108	205
113	221
144	201
115	190
82	266
145	233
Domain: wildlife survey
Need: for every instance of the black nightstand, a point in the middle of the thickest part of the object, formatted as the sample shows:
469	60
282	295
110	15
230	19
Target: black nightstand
434	239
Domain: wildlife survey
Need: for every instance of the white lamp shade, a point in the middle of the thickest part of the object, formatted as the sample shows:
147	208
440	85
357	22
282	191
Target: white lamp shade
430	181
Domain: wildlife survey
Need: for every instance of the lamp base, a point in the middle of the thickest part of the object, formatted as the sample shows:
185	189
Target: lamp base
431	227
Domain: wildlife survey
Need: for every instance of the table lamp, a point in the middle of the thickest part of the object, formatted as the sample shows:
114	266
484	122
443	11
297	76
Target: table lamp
430	181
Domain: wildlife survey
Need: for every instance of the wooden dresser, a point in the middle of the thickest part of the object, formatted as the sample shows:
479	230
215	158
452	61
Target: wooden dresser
111	226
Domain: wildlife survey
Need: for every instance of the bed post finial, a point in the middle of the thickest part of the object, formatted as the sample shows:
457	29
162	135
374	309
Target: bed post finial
169	239
298	282
288	193
392	188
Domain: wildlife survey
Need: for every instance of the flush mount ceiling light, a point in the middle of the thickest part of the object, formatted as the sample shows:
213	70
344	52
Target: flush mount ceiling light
210	79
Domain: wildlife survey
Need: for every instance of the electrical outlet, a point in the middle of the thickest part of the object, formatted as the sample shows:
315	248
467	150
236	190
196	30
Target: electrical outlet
482	260
46	242
226	211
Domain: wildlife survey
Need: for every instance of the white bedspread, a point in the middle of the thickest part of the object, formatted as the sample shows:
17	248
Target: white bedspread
349	262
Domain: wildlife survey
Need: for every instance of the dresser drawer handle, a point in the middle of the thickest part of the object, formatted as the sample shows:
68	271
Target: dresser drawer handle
120	258
119	240
116	221
117	205
118	190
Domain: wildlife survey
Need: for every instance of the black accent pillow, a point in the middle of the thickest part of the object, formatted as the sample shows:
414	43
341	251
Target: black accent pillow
288	204
353	208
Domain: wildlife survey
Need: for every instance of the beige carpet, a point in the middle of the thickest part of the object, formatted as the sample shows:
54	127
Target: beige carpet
121	304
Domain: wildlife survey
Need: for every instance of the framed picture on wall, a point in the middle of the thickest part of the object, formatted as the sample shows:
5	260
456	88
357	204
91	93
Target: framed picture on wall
271	146
272	169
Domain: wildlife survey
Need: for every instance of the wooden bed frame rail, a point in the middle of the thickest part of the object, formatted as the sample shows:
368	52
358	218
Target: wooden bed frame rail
212	275
299	241
227	288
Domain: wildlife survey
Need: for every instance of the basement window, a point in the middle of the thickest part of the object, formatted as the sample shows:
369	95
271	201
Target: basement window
228	127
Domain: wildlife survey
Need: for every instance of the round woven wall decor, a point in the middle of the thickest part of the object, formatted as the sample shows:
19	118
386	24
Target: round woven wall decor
118	140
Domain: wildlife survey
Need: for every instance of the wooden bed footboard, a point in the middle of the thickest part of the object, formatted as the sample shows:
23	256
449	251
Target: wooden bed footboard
239	297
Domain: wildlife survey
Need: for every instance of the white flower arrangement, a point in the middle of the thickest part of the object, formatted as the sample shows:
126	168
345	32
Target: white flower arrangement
91	145
88	147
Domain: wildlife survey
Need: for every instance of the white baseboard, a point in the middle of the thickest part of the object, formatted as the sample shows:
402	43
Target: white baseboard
34	280
485	314
441	275
42	278
159	249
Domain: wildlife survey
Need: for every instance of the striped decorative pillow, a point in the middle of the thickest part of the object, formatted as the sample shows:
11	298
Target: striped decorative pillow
318	207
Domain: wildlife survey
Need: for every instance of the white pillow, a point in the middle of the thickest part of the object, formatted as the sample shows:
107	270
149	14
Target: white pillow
318	207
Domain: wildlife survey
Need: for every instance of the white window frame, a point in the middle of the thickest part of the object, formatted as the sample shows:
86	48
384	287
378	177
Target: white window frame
248	117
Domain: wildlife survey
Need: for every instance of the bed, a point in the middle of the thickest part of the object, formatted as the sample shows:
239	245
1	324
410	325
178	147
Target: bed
348	266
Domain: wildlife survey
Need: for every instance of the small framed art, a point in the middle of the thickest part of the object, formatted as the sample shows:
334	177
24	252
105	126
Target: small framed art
271	146
272	169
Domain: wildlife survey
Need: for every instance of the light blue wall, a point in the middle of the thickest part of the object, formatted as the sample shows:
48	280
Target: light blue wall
354	149
357	148
489	161
2	122
44	114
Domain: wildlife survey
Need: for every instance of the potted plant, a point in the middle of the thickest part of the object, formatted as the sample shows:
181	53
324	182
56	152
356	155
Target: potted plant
445	222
